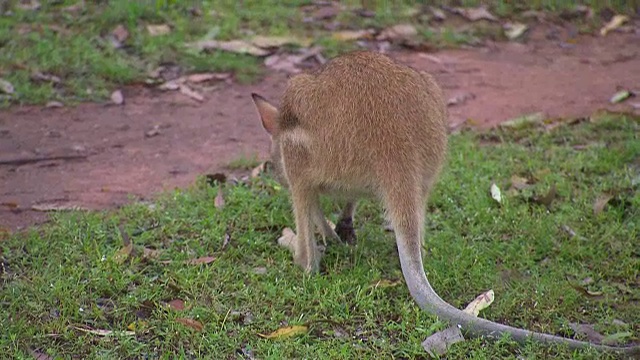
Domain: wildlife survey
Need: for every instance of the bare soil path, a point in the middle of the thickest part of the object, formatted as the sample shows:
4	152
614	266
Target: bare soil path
497	82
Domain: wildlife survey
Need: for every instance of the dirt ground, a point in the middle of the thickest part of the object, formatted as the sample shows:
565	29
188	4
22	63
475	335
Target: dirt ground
499	81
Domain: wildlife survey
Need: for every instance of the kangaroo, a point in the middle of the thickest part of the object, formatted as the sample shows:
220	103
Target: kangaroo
360	125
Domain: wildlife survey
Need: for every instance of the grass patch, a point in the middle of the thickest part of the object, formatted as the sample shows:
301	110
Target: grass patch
244	162
66	274
75	43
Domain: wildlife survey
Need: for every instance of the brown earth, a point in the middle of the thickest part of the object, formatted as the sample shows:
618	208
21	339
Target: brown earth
500	81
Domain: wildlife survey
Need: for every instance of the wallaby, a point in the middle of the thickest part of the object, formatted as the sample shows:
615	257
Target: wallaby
364	124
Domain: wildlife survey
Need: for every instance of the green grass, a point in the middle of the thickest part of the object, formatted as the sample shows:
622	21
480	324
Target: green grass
65	274
75	45
244	162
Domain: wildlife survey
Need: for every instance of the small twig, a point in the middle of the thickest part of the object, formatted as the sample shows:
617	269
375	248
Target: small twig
35	159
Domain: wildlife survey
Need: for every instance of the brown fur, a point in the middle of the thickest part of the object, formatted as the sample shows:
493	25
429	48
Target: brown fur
360	125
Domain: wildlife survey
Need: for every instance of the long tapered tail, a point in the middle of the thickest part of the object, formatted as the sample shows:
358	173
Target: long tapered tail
428	300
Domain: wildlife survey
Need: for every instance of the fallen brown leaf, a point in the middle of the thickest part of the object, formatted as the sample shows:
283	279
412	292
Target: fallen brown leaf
267	42
176	304
45	207
120	33
287	239
6	87
101	332
440	342
123	254
185	90
194	324
117	97
614	23
150	253
601	202
588	331
352	35
234	46
398	32
384	283
519	183
258	170
45	78
200	260
475	14
515	30
38	355
156	30
54	104
202	77
481	302
286	332
219	200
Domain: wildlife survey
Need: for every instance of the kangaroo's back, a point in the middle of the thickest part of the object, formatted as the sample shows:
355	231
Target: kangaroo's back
367	115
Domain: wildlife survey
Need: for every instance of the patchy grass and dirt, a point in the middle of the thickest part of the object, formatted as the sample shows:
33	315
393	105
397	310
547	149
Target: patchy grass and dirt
68	51
552	260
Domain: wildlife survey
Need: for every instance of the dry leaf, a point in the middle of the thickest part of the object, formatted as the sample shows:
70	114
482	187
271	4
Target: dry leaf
219	200
258	170
585	291
621	96
123	254
155	30
384	283
475	14
120	33
55	207
283	62
75	7
117	97
351	35
495	193
440	342
587	330
460	98
398	32
41	77
176	304
101	332
286	332
202	77
185	90
437	13
234	46
6	87
170	85
278	41
519	183
150	253
201	260
614	23
194	324
481	302
600	203
287	239
37	355
54	104
29	5
523	121
514	30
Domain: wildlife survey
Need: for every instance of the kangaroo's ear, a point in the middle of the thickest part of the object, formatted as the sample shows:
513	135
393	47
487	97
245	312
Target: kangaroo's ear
268	113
